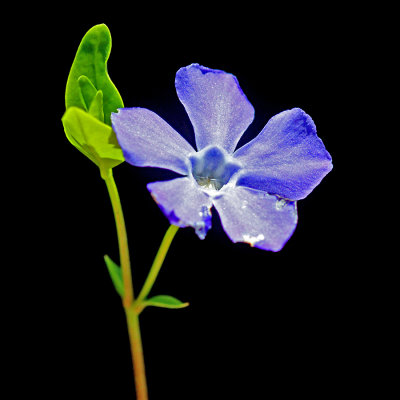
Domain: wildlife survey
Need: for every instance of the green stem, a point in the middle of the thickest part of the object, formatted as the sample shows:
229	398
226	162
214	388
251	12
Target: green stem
157	263
128	298
122	238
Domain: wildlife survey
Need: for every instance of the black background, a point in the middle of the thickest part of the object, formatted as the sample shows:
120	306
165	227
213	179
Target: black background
259	324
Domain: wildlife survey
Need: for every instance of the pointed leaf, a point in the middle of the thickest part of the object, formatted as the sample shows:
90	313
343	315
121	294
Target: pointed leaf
88	91
115	274
91	61
92	137
164	302
96	106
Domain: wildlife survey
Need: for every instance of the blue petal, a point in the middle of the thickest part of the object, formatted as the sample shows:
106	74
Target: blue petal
183	203
217	107
287	158
148	141
257	218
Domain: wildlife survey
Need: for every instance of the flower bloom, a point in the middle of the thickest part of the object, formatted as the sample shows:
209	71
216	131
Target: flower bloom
254	188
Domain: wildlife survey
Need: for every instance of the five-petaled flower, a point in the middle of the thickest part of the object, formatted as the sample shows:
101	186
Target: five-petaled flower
254	188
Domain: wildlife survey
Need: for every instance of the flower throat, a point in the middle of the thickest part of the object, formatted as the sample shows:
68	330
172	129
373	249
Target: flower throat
212	168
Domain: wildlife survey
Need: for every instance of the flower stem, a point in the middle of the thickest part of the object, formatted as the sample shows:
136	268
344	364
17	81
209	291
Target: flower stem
132	318
157	263
128	298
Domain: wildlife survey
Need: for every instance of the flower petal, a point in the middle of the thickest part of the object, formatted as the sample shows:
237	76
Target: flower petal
217	107
257	218
287	158
183	203
148	141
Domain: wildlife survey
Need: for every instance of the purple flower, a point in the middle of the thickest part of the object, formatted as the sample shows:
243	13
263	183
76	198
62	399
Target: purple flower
254	188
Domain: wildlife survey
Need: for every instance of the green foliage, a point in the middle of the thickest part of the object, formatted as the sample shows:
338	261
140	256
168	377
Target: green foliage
164	302
89	74
87	91
90	98
96	106
92	137
115	274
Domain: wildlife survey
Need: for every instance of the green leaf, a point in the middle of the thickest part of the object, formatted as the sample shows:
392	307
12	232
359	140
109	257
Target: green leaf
93	138
92	98
91	61
96	106
164	302
88	91
115	274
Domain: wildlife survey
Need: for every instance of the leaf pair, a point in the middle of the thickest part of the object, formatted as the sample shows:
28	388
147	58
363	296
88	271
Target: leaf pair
163	301
90	98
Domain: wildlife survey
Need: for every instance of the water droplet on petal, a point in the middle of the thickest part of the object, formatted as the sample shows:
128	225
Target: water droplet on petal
252	240
200	228
205	212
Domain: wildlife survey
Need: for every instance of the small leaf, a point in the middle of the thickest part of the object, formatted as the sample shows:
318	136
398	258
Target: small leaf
164	302
92	98
88	91
115	274
91	61
96	106
92	137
